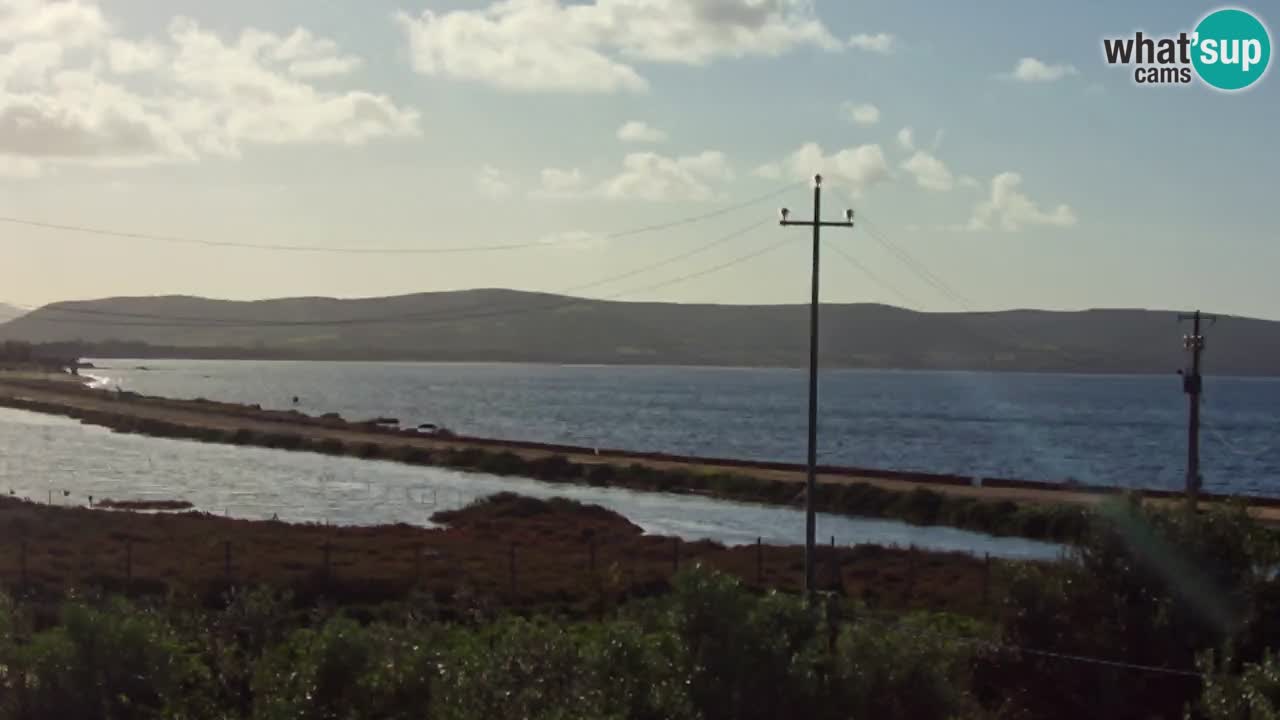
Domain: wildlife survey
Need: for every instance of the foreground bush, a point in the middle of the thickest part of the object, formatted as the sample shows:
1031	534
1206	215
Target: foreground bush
708	650
1147	588
1129	627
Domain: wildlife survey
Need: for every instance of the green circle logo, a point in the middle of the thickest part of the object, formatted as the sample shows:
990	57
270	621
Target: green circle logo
1231	49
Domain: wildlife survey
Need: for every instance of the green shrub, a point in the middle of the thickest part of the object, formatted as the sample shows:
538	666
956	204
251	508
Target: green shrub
115	662
343	670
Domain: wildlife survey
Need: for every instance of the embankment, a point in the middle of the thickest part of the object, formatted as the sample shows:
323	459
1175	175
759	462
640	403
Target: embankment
1042	512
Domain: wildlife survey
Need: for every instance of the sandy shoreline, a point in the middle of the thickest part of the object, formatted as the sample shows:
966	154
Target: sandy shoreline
129	412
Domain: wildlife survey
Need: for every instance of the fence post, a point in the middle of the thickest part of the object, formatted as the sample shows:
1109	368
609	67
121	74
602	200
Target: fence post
128	561
911	572
834	565
22	563
327	549
986	580
675	554
226	560
759	560
591	556
512	564
417	565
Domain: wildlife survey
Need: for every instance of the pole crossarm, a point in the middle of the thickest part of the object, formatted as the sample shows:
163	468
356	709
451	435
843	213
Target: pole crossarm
810	223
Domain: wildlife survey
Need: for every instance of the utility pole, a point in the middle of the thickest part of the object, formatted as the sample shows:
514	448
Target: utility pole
1192	384
811	480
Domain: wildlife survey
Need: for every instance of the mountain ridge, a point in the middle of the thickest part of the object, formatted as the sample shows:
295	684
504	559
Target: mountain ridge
494	324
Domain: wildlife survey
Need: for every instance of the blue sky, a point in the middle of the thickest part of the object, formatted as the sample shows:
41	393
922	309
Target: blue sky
1035	175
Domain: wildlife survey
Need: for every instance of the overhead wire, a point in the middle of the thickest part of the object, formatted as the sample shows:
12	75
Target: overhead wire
916	266
168	321
1051	654
866	271
1226	443
105	232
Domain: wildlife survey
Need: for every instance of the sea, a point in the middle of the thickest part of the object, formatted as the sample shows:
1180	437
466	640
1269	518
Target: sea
1120	430
1128	431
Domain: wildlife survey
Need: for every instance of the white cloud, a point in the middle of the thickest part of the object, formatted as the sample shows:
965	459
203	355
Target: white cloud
906	138
929	171
882	43
558	183
854	168
1030	69
864	114
653	177
125	57
639	132
1010	209
324	67
555	46
969	181
768	171
493	182
71	23
73	91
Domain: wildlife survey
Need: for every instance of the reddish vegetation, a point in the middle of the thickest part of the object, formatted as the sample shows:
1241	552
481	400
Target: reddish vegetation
109	504
550	545
509	515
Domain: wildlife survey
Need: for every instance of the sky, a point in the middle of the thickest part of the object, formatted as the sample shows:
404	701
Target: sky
992	157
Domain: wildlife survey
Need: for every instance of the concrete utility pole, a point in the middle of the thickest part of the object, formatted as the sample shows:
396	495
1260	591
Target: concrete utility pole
811	483
1192	384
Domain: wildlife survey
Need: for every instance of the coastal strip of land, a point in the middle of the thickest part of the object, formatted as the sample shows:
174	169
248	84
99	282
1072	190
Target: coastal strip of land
1001	507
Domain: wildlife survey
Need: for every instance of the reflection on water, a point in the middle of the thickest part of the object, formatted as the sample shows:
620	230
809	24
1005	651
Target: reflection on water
1128	431
42	455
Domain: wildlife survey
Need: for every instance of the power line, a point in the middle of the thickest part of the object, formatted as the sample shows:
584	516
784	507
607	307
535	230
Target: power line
1068	657
1234	448
916	266
873	277
1226	443
191	322
691	276
385	250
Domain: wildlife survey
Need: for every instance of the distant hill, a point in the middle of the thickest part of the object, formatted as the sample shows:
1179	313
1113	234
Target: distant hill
9	312
506	325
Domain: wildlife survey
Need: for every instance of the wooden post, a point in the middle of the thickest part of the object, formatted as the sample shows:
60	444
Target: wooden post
911	572
226	560
986	580
759	560
128	560
327	549
22	562
591	556
512	563
834	565
417	565
675	555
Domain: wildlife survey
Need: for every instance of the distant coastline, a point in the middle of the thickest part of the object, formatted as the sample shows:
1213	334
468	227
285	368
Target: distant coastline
519	327
92	353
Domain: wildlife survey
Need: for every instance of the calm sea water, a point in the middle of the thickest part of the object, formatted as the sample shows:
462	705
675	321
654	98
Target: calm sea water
1120	430
43	456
